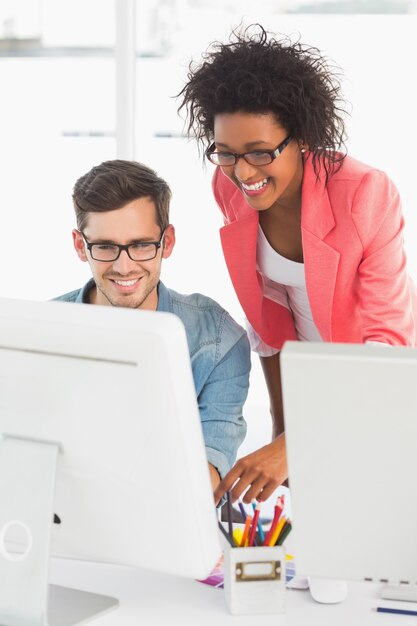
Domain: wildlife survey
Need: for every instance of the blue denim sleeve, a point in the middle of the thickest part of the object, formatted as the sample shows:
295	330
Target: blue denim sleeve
221	403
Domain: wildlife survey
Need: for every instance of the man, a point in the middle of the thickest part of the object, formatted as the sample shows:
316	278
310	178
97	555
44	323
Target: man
123	233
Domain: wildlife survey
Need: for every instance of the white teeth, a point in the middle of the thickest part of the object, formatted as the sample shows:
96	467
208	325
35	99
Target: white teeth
126	283
255	186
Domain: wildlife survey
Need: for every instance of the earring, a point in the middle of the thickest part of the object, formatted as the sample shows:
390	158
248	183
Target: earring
302	149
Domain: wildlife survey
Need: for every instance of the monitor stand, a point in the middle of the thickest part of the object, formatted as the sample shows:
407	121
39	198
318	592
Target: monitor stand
27	479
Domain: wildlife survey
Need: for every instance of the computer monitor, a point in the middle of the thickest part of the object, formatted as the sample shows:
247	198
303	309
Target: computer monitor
351	433
100	433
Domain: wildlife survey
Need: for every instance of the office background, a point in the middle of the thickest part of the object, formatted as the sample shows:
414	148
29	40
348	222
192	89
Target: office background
58	118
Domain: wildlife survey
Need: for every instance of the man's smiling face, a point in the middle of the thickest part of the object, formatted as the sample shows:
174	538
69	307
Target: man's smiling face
125	282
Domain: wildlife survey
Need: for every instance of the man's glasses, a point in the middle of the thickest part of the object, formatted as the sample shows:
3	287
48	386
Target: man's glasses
256	157
136	251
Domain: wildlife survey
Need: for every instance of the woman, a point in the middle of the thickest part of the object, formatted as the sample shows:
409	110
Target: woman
312	238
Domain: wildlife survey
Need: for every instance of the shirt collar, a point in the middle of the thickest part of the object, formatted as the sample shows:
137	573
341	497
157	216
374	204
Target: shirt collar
82	296
163	298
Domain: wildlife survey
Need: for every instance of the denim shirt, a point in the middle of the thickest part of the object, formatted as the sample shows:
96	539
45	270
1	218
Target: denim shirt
220	361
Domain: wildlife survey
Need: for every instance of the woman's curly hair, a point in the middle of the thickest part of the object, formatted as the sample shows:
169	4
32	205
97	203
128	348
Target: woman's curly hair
257	73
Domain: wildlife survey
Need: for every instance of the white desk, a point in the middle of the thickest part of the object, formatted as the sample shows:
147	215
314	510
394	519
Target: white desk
147	598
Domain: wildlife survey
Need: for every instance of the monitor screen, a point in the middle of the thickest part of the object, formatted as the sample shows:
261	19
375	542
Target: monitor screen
100	431
351	431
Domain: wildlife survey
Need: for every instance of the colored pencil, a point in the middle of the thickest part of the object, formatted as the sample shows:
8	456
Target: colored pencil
260	529
277	514
246	531
283	527
284	534
277	531
254	525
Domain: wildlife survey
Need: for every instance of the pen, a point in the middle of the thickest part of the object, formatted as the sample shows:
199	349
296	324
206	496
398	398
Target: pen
383	609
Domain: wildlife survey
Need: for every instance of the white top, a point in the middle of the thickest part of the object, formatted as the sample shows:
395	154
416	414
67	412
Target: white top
284	283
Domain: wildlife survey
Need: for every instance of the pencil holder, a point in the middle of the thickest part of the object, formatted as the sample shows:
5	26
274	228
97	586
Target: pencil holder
254	579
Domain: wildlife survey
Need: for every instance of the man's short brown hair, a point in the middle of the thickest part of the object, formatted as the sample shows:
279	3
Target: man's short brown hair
113	184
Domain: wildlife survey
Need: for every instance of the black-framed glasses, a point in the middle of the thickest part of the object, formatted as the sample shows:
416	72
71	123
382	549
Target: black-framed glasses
255	157
136	251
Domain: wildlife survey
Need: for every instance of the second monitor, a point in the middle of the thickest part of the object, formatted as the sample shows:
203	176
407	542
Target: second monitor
351	432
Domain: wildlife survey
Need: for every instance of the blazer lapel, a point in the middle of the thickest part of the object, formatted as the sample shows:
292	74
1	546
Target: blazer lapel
239	246
271	320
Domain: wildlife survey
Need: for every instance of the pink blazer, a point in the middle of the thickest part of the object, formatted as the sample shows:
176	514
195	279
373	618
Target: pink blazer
355	265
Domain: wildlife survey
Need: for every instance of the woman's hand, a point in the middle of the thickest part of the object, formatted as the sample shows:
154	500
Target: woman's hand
264	470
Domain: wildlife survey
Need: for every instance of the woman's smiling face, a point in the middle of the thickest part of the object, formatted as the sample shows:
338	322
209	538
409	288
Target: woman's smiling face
279	182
